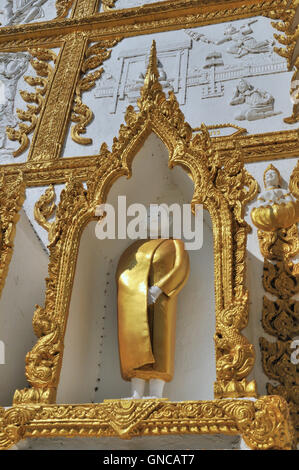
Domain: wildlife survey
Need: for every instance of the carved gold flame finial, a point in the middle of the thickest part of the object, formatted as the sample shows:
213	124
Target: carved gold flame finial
152	73
151	86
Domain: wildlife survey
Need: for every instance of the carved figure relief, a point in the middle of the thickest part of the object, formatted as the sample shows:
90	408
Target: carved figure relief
243	42
12	68
259	103
21	11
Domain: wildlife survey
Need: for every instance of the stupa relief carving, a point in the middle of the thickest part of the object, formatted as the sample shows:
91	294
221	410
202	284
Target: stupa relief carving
202	61
133	65
258	104
12	67
21	11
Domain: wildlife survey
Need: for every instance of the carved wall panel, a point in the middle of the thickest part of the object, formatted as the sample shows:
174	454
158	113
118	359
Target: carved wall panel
232	71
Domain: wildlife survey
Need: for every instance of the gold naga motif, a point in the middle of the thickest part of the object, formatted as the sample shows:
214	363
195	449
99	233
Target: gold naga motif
276	218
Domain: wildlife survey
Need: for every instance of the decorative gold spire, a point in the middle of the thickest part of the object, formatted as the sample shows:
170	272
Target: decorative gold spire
151	85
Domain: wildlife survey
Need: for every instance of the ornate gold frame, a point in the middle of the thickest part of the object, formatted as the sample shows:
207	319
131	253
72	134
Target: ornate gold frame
221	183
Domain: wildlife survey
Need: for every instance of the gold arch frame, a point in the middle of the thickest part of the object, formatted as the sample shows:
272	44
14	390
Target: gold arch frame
223	188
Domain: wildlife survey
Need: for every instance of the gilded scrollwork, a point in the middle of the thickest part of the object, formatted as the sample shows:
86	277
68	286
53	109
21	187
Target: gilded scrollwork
12	425
12	195
41	64
82	115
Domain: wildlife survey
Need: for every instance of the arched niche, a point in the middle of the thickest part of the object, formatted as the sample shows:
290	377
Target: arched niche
90	370
224	188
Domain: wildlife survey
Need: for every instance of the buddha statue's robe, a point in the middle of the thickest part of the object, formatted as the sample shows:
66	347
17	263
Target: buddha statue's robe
146	333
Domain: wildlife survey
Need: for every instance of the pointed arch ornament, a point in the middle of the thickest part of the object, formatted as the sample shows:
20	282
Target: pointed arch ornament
224	188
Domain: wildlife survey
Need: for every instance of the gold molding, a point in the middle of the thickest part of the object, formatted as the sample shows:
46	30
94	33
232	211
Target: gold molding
259	147
263	424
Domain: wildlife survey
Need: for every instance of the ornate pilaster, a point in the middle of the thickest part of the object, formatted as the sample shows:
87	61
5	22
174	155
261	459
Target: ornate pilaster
276	217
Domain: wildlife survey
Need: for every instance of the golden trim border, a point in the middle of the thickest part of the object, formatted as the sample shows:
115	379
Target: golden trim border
159	17
264	424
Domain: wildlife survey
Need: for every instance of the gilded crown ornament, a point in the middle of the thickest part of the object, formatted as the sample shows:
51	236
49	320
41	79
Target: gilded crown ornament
276	208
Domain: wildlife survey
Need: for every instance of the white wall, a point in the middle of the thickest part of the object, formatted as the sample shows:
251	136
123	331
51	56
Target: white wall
23	289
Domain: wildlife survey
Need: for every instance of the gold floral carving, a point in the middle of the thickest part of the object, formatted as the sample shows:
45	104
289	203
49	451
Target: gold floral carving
95	55
63	7
280	317
12	195
289	39
40	63
263	424
223	189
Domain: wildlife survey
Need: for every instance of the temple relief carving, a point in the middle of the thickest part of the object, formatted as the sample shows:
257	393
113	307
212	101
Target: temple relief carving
21	11
259	103
205	60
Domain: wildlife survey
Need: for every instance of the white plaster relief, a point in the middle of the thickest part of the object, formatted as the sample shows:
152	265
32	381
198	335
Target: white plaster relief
15	12
12	68
217	63
191	65
259	104
131	74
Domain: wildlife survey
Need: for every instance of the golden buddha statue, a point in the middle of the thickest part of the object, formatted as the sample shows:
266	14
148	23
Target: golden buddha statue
150	274
276	208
